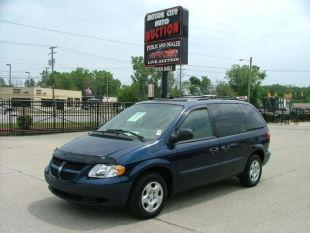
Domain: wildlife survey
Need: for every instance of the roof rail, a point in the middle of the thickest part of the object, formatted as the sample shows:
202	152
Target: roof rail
193	97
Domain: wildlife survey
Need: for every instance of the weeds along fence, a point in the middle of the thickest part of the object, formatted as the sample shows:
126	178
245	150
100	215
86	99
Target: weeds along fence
24	117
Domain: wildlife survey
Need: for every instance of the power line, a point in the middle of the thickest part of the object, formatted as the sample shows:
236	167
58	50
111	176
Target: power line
23	78
23	43
73	68
288	70
22	63
218	57
64	48
120	60
70	33
93	55
17	74
206	71
212	67
101	38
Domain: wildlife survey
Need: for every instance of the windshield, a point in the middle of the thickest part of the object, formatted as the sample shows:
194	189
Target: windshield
147	120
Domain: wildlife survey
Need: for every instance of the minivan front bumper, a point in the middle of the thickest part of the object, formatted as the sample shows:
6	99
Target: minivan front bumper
109	192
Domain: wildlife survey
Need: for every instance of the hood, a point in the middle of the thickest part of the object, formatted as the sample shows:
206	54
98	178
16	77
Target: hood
90	149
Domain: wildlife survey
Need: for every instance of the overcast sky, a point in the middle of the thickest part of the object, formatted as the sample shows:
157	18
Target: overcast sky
276	33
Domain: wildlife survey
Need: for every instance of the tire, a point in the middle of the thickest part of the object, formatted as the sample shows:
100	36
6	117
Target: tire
252	172
143	204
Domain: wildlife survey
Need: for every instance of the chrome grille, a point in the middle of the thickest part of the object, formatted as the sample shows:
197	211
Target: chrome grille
68	170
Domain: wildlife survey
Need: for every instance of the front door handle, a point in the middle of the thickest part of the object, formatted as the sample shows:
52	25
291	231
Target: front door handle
225	148
214	149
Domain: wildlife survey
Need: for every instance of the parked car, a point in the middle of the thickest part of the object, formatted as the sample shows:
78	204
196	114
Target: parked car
118	107
91	102
156	148
4	109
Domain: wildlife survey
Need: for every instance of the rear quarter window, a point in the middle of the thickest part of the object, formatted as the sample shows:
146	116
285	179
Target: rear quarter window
228	119
252	117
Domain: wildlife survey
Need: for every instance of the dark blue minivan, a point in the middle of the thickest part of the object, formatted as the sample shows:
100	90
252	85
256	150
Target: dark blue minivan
156	148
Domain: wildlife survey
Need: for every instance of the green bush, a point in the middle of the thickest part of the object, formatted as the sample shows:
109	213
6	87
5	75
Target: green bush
24	122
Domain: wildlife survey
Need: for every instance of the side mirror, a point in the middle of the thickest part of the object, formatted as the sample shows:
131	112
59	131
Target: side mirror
182	135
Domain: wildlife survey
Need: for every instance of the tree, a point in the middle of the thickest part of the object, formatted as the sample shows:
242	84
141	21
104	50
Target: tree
206	85
173	85
194	85
296	94
2	82
99	81
30	83
143	75
104	84
223	89
238	77
197	86
128	93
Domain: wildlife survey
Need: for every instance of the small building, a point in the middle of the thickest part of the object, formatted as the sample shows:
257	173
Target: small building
305	106
40	97
38	93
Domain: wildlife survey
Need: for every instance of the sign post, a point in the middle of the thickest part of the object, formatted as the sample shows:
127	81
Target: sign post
164	84
166	41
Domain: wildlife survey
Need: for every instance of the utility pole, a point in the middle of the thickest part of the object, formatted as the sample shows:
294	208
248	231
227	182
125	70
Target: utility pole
52	63
249	81
52	48
10	77
107	89
46	75
250	76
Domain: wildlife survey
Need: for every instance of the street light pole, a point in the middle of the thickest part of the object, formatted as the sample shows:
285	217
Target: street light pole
10	77
181	94
27	72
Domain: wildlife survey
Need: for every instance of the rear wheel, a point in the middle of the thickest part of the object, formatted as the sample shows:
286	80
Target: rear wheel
148	196
252	172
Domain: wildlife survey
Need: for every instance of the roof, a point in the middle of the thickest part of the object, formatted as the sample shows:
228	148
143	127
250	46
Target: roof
189	102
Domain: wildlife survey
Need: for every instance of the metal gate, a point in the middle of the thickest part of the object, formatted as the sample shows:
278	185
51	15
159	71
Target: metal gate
24	117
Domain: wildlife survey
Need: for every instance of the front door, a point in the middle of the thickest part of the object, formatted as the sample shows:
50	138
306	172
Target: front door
198	158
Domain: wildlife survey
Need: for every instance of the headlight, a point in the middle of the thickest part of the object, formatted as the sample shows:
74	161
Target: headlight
104	171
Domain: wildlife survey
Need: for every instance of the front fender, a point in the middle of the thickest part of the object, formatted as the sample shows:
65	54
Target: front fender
148	164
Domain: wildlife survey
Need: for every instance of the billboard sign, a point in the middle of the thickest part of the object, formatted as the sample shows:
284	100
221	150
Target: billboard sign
164	68
166	37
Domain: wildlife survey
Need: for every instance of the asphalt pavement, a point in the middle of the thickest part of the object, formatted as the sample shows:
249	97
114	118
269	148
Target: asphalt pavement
280	202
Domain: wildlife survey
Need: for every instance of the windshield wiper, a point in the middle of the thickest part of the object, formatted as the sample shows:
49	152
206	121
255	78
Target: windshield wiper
102	133
122	131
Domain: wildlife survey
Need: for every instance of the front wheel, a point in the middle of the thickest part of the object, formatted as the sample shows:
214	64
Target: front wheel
252	172
148	196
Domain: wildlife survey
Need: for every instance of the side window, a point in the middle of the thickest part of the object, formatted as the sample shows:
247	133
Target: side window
252	117
228	118
198	121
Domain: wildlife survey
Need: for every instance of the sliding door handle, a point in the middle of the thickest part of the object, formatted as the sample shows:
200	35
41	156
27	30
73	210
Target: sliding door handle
225	148
214	150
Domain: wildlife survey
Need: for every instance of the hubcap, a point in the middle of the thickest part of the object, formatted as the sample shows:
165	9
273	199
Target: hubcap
254	171
152	196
